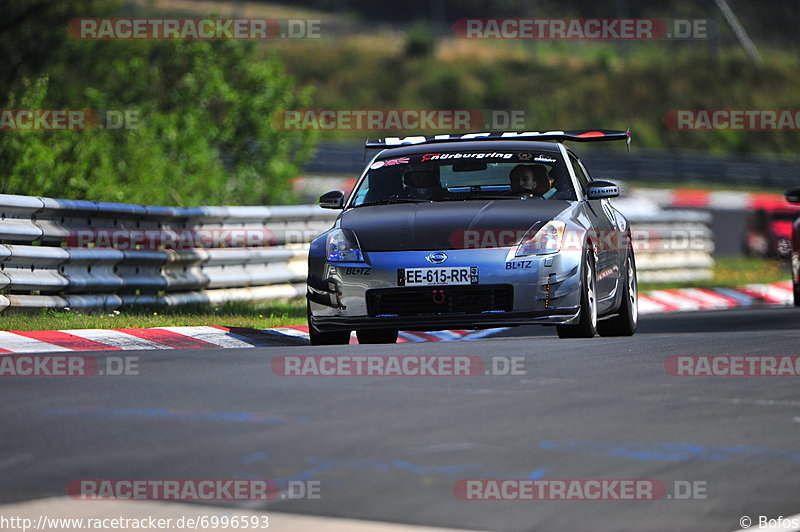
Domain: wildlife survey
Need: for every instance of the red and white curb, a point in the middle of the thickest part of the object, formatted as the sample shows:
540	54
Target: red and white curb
187	338
712	199
651	302
689	299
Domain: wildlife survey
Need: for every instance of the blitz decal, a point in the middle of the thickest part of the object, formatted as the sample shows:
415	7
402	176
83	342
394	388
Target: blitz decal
518	265
357	271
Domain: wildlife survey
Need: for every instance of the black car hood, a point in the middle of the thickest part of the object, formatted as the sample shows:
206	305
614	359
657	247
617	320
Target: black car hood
447	225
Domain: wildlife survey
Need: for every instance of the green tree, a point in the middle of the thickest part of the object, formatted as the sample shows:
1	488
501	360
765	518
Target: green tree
204	133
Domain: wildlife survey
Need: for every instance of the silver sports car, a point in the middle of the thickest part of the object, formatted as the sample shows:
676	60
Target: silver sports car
474	231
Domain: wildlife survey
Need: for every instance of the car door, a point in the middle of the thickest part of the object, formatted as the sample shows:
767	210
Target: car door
604	224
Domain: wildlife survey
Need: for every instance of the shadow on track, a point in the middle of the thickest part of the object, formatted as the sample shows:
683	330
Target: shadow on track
758	320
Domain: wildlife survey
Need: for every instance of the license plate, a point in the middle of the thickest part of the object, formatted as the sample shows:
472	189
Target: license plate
437	276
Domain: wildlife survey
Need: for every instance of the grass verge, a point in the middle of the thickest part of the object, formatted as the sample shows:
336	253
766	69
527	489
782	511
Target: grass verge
730	272
258	316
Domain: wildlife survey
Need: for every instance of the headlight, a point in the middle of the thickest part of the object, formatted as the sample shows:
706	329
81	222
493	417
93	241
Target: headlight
343	247
546	240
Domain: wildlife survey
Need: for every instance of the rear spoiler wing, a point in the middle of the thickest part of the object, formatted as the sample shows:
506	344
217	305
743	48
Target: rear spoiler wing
580	135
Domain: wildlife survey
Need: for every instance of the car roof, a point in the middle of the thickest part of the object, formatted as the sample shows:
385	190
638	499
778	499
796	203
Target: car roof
471	146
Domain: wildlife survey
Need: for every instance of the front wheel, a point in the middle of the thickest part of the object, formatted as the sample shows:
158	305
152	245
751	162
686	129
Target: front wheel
624	323
325	338
587	322
796	277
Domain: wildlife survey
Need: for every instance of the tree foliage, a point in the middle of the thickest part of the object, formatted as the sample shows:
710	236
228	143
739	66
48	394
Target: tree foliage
203	133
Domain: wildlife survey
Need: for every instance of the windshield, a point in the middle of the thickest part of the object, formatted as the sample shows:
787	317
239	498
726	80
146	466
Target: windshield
464	176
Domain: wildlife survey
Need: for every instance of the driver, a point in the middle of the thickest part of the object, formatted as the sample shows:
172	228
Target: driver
422	184
531	179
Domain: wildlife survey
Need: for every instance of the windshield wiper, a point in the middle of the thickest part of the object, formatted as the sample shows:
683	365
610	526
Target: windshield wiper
395	200
484	197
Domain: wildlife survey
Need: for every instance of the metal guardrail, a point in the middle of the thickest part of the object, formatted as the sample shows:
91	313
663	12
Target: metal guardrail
670	245
88	255
66	254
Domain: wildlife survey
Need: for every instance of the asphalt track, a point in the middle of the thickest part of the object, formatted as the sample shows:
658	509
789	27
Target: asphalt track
391	449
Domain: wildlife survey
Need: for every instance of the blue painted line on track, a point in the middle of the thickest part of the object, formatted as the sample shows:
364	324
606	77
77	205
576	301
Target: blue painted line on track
539	473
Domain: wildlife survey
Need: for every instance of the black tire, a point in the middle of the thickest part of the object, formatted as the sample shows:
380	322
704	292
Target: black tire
325	338
377	336
797	294
586	327
625	322
795	258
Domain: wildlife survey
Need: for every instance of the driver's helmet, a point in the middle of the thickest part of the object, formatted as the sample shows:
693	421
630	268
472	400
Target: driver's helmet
421	183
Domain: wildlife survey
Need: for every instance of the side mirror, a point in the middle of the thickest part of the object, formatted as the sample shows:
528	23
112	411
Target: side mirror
602	190
793	195
332	200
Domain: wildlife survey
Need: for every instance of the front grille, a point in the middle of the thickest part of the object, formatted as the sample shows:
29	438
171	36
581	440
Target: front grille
432	300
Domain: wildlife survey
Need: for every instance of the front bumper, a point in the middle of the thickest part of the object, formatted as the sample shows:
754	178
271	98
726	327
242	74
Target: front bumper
546	290
555	316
